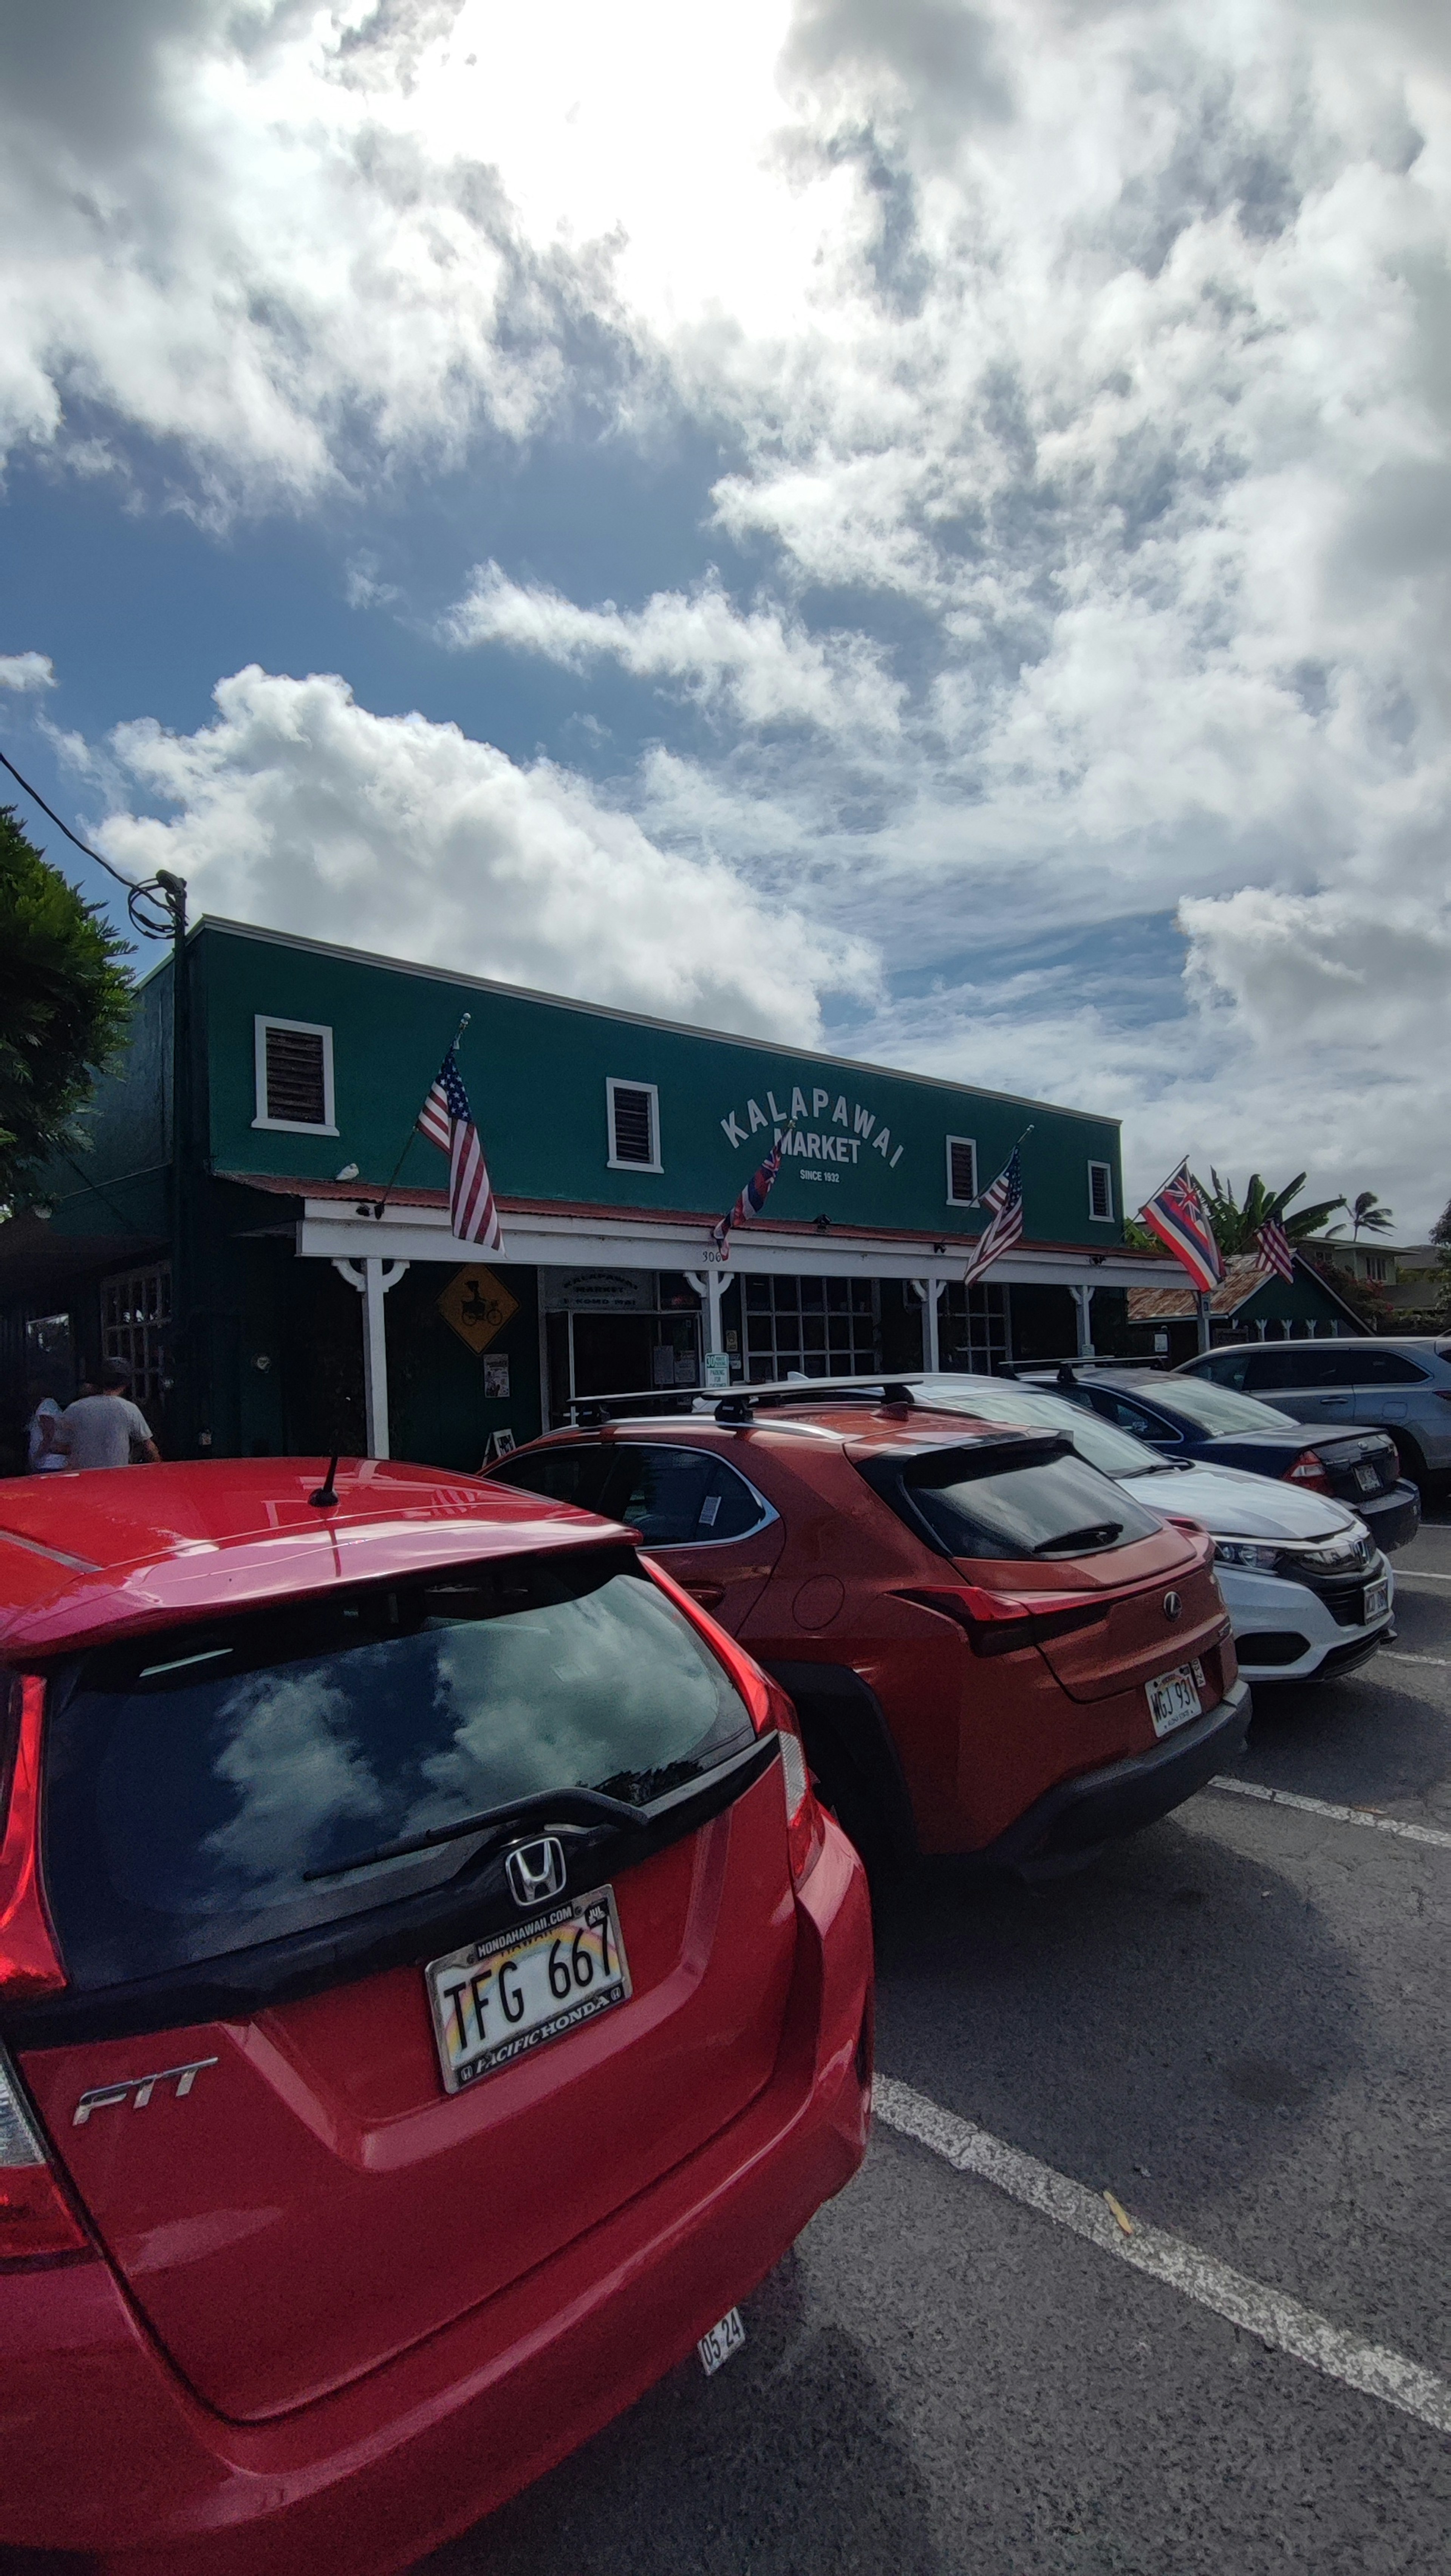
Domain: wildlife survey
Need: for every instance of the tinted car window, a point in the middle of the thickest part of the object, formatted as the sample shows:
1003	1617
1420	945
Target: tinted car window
1301	1365
1135	1419
1228	1370
1386	1368
1053	1505
671	1497
197	1780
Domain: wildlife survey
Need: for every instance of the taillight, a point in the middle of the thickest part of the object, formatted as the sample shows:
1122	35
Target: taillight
29	1963
999	1623
1309	1469
37	2224
771	1712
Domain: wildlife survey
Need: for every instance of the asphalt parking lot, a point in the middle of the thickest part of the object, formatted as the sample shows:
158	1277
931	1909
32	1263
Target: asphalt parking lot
1235	2026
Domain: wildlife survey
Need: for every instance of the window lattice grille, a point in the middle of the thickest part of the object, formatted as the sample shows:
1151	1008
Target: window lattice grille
135	1316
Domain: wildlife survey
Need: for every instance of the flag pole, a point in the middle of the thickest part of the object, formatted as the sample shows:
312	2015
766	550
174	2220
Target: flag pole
380	1204
1181	1166
1012	1150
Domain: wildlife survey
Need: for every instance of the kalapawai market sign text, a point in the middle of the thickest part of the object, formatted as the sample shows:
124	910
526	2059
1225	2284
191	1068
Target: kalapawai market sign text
822	1129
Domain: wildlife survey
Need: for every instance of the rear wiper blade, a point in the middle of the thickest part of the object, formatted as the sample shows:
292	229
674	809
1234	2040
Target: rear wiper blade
1098	1534
568	1806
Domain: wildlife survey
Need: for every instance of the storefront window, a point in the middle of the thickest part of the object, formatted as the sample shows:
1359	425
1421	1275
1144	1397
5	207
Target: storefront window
817	1327
972	1328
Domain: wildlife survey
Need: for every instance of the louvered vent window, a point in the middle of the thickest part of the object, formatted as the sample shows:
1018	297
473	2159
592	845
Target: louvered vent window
634	1125
961	1171
295	1076
1100	1193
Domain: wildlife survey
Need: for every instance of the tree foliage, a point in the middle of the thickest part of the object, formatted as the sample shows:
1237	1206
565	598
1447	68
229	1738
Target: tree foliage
65	999
1369	1214
1237	1222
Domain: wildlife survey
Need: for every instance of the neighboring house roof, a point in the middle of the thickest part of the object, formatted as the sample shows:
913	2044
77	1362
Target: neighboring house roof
1243	1279
1411	1256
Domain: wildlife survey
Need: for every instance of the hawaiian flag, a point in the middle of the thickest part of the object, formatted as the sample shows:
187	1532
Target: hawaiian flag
1276	1250
752	1198
1178	1216
1004	1200
447	1121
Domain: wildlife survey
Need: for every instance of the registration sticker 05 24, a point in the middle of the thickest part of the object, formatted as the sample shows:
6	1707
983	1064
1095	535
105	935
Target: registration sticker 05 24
721	2341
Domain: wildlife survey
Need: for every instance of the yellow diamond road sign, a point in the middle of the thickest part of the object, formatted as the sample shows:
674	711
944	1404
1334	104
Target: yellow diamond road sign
478	1306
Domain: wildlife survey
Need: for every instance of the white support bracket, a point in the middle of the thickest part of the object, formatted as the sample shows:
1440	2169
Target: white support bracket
372	1279
930	1292
709	1284
1082	1295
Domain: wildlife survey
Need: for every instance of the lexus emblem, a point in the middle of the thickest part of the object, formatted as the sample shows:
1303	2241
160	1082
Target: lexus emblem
1172	1605
536	1871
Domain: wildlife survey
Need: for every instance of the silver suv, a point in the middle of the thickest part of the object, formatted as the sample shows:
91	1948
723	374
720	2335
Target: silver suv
1402	1386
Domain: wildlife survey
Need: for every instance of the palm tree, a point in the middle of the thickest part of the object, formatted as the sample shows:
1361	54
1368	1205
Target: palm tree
1237	1222
1369	1209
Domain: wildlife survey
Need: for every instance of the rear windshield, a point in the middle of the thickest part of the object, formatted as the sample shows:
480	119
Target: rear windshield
1047	1507
1217	1409
1115	1452
198	1780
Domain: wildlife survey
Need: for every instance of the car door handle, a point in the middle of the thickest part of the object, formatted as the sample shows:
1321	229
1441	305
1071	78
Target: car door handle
709	1595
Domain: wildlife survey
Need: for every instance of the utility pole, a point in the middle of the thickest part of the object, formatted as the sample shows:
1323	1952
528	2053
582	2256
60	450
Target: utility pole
172	892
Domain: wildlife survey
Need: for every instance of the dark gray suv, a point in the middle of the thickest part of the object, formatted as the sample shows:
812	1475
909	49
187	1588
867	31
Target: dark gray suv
1401	1386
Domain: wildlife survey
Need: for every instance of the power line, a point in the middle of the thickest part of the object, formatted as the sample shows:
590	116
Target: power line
163	890
36	799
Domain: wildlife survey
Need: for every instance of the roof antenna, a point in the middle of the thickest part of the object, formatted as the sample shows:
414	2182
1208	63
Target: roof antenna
327	1492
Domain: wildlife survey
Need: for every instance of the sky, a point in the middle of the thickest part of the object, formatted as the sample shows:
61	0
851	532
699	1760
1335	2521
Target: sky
916	529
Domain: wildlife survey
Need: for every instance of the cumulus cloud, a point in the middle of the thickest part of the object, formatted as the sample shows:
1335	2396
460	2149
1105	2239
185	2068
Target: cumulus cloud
1076	377
26	672
300	809
766	667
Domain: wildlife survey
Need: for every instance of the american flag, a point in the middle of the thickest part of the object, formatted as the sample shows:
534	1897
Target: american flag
1004	1200
447	1121
1276	1250
752	1198
1178	1216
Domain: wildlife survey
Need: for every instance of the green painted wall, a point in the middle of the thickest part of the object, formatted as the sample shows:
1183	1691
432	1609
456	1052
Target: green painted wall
536	1073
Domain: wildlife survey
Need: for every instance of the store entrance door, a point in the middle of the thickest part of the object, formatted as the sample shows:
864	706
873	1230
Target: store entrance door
593	1353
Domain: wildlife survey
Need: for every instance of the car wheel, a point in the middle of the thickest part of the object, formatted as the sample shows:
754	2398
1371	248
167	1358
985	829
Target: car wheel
1412	1464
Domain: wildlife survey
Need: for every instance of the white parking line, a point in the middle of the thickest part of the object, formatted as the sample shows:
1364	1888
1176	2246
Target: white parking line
1393	1655
1276	2319
1412	1574
1337	1815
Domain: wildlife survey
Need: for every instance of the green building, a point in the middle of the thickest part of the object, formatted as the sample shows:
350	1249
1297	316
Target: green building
281	1275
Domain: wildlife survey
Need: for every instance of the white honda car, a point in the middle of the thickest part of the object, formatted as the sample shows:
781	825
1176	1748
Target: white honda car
1306	1587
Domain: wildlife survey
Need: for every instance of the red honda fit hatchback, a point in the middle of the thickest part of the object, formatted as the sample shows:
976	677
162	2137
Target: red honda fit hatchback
430	1994
993	1649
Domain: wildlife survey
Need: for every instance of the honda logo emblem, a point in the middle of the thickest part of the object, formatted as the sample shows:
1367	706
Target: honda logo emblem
1172	1605
536	1871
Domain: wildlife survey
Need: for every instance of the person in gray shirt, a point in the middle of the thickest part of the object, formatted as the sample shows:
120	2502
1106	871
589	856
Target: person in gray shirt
106	1430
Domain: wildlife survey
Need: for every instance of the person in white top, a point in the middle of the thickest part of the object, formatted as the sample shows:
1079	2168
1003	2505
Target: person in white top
106	1430
43	1452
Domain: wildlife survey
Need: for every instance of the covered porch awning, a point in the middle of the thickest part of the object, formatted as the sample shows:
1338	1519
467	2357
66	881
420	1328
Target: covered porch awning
339	1222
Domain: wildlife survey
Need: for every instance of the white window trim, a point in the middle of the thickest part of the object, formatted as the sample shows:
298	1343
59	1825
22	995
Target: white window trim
971	1144
300	1028
1107	1170
619	1082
